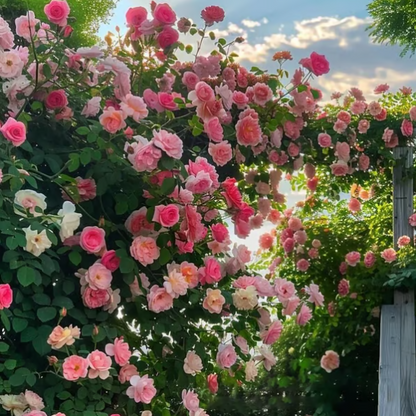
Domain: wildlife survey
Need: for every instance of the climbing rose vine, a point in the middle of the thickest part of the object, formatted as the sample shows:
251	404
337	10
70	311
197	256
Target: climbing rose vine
125	173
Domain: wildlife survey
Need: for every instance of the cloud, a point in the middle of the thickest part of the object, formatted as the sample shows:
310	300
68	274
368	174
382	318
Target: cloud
232	29
250	23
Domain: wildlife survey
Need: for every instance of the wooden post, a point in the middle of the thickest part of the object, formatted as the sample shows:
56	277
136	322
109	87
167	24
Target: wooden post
397	389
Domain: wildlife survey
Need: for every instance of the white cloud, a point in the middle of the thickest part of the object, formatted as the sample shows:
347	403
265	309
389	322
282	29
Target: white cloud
232	29
250	23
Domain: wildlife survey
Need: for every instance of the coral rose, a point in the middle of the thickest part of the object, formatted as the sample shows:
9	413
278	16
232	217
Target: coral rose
74	368
145	250
330	361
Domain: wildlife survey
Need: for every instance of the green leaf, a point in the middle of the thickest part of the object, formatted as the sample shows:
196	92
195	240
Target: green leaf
82	131
5	319
165	256
127	265
31	380
26	276
47	313
4	347
19	324
17	380
10	364
64	395
42	299
75	258
168	186
29	334
63	302
39	343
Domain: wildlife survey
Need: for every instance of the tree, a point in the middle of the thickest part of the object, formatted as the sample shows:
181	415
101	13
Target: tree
86	16
394	22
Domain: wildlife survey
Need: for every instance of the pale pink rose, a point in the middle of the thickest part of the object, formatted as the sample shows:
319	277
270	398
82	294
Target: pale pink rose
295	224
313	253
25	25
6	296
98	277
262	93
60	337
6	35
358	107
159	300
192	364
310	170
304	315
145	250
213	129
340	126
226	356
137	223
167	215
190	400
315	296
357	94
272	334
300	237
330	361
57	12
242	344
412	113
382	88
74	368
240	99
389	255
284	289
99	364
264	319
212	14
127	372
353	258
92	107
407	128
343	287
175	283
34	401
221	153
214	301
199	184
292	129
340	168
267	357
92	239
293	150
342	151
290	306
369	259
142	389
318	64
212	380
344	116
264	206
112	120
14	131
403	241
120	351
354	205
262	188
302	265
203	93
256	222
134	107
316	243
374	108
190	80
364	162
248	131
170	143
324	140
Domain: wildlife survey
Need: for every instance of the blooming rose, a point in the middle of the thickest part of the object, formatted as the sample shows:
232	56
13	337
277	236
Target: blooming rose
212	14
164	14
389	255
403	241
248	131
113	120
34	401
342	151
6	296
127	372
137	223
74	368
354	205
318	64
353	258
190	400
214	301
330	361
213	129
63	336
363	126
175	283
192	363
304	315
168	36
170	143
99	364
251	371
241	100
262	94
159	299
6	35
92	239
14	131
142	389
369	259
212	380
134	107
340	168
284	289
272	334
145	250
315	296
245	299
167	215
302	265
110	260
36	243
95	298
135	16
92	107
56	99
407	128
98	277
57	11
343	287
226	356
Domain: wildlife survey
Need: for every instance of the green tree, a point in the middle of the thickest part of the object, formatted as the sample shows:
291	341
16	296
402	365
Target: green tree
394	22
86	16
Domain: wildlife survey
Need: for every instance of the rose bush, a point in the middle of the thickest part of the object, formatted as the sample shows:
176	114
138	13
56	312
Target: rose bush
133	159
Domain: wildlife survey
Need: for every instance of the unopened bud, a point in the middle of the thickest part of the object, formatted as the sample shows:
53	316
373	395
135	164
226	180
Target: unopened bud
96	330
117	29
52	360
63	312
101	223
110	151
240	39
291	351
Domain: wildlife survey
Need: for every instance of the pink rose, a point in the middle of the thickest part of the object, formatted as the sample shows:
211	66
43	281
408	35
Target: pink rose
214	301
374	108
412	113
358	107
14	131
203	93
112	120
136	16
127	372
25	25
167	37
221	153
56	99
164	14
364	162
6	296
340	126
142	389
152	100
369	259
319	64
99	364
166	100
330	361
220	232
389	255
304	315
92	107
262	94
295	224
92	239
293	150
137	223
240	99
199	184
167	215
74	368
212	14
272	334
211	272
302	265
145	250
87	189
340	168
134	107
315	296
300	237
382	88
248	131
226	356
290	306
343	287
120	351
170	143
344	116
110	260
212	380
412	220
407	128
190	400
190	79
145	157
213	129
159	300
353	258
284	290
57	11
192	363
354	205
343	267
94	299
98	277
324	140
6	35
382	116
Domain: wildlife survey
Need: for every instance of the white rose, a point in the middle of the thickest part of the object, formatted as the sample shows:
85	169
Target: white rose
146	413
15	404
245	299
36	243
251	371
28	200
70	220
